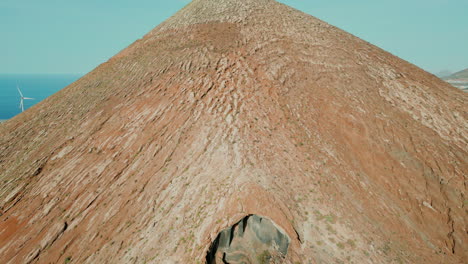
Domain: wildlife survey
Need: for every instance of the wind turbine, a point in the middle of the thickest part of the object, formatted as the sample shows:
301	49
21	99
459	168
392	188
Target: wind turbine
21	106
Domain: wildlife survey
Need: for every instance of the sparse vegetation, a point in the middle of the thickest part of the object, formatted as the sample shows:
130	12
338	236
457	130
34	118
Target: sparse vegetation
264	258
331	230
330	218
386	248
351	243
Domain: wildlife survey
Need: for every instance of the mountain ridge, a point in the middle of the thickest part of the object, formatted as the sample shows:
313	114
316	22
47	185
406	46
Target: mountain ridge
214	116
463	74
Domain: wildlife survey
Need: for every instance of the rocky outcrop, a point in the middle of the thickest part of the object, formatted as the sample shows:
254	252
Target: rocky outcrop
253	240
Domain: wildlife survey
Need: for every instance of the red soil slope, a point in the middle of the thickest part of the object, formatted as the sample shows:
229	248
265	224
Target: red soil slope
233	108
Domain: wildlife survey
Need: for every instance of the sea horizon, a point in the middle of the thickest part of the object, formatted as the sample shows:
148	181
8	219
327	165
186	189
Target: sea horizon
35	85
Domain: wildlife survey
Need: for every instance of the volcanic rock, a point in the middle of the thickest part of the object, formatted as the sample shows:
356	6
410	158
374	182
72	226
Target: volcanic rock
253	240
233	108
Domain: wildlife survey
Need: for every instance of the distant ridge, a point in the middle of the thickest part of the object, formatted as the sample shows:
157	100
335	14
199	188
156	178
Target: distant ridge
459	75
443	74
459	80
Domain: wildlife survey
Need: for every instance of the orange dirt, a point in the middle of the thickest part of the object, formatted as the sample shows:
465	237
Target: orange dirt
231	108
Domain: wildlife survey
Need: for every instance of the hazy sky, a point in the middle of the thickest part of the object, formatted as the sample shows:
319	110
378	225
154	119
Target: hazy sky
65	36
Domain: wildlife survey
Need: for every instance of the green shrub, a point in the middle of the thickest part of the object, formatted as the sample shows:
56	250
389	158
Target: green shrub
264	258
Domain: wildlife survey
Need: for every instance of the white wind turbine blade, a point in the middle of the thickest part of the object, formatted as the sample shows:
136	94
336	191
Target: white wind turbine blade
28	98
22	104
17	87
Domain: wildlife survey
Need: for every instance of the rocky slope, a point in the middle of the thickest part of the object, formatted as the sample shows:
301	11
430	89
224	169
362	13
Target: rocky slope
234	108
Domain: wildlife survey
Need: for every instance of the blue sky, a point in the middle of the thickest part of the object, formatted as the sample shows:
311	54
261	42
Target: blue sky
64	36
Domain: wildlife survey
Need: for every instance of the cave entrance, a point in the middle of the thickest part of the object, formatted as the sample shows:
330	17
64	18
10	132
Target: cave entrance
253	240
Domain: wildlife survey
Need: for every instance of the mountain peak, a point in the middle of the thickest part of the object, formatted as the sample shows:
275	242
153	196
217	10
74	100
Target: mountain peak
205	11
240	130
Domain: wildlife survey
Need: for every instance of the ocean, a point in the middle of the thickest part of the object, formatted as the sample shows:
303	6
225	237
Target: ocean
38	87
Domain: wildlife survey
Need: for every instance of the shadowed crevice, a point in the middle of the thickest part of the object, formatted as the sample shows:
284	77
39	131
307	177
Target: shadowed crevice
253	240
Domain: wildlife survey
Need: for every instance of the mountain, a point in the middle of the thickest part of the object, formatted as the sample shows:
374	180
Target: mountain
443	74
459	80
239	131
459	75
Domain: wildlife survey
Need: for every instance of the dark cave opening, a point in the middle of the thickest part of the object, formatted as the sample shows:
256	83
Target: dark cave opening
252	240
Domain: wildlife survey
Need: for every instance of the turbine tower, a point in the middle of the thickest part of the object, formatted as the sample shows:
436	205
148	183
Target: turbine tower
22	98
